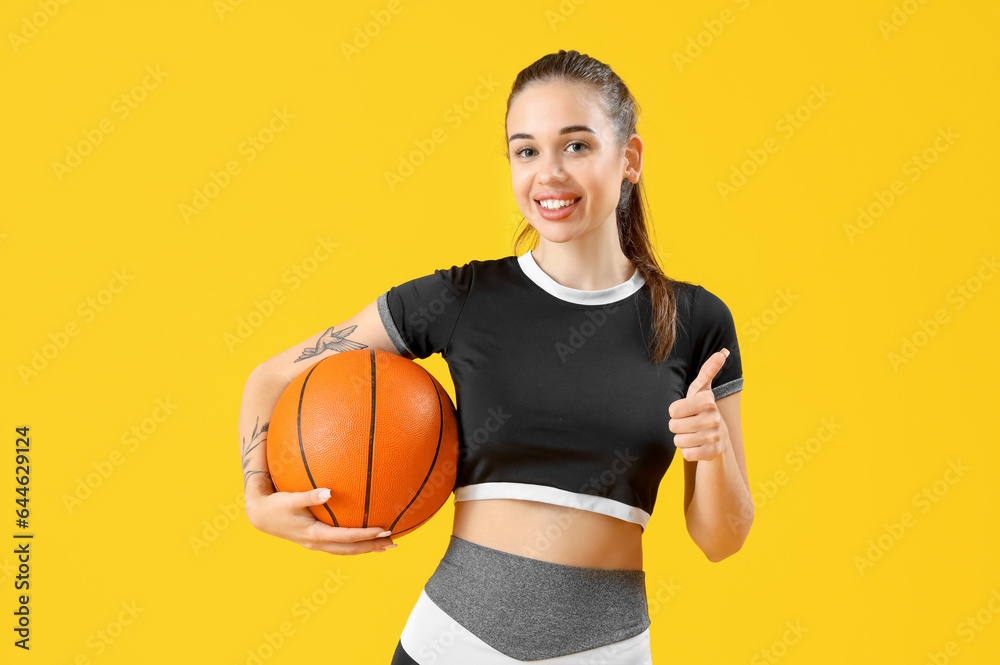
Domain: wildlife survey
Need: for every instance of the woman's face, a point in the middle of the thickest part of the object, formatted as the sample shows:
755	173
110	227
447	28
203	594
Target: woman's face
561	147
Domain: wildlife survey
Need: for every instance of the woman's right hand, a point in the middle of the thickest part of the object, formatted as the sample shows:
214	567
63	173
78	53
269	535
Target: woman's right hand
286	515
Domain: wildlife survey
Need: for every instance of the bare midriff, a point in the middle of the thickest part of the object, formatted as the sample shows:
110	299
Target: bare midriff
549	532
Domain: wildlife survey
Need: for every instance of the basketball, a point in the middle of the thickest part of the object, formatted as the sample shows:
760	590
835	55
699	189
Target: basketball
374	427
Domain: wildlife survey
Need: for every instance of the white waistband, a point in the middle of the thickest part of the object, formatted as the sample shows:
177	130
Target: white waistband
431	636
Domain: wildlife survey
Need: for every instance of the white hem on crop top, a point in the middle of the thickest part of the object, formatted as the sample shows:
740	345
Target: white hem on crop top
553	495
599	297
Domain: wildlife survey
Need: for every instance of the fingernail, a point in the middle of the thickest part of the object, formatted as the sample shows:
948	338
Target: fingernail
389	547
324	494
383	534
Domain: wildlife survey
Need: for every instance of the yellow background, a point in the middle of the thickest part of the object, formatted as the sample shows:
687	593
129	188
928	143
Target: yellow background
825	357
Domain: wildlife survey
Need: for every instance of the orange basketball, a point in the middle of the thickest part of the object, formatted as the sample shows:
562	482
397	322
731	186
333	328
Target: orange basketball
375	428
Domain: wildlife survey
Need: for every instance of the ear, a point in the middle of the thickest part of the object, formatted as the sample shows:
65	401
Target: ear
633	158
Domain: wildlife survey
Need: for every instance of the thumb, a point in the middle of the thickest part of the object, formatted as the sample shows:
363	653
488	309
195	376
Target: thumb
314	497
708	371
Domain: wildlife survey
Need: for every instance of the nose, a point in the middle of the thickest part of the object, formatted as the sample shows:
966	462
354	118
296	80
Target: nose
551	169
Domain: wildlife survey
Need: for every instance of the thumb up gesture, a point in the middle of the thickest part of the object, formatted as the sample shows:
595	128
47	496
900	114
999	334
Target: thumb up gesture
699	431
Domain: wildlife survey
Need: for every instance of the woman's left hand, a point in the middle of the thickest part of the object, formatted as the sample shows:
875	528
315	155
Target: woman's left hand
700	433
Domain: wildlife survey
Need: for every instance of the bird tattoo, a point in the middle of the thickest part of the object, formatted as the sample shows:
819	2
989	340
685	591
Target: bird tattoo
333	341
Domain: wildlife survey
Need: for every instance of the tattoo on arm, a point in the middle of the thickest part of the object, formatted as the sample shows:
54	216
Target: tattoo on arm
332	341
257	438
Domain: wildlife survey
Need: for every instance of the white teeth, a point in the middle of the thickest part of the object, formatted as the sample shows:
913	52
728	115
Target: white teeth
555	204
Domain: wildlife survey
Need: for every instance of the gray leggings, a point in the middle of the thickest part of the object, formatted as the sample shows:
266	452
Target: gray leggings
530	609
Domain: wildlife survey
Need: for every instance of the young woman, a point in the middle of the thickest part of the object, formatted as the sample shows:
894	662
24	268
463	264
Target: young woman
580	369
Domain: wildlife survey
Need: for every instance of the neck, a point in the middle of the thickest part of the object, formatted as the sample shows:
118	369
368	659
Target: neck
585	263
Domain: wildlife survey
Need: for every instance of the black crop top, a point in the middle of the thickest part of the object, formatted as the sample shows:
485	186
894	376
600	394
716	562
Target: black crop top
556	397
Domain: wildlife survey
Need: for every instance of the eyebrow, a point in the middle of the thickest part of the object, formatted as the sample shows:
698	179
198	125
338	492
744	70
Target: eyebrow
565	130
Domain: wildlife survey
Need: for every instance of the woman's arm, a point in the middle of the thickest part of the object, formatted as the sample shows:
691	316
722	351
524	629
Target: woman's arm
260	395
718	508
285	514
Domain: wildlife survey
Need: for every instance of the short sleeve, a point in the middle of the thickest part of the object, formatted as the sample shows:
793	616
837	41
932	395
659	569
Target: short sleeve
712	330
420	315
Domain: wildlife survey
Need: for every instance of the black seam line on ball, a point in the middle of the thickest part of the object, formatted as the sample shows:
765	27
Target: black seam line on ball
371	445
302	448
437	450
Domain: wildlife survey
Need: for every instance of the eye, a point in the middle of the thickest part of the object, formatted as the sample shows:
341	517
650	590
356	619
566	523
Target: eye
583	146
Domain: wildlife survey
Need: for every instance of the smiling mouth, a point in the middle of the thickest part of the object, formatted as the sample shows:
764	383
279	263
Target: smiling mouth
556	204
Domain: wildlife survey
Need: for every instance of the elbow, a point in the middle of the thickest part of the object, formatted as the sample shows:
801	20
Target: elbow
262	372
721	549
719	535
715	556
259	370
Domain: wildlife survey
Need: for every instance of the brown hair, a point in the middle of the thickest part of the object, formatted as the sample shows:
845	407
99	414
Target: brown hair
633	231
